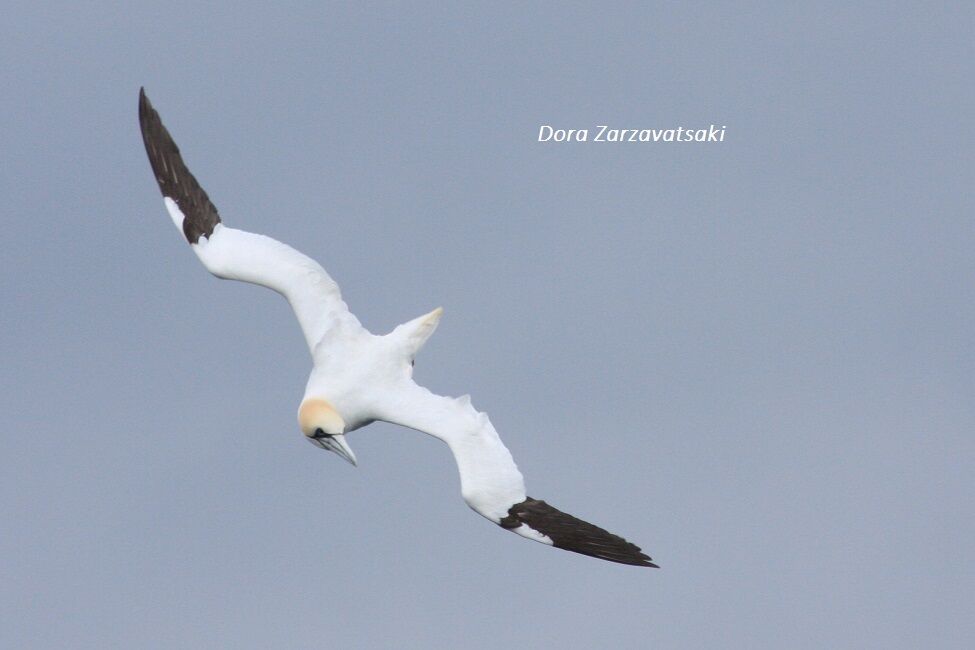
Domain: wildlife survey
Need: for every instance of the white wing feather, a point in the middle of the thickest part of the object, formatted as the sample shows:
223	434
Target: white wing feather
489	479
239	255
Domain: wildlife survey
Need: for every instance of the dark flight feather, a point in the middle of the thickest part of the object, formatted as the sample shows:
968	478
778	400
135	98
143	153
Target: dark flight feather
175	180
573	534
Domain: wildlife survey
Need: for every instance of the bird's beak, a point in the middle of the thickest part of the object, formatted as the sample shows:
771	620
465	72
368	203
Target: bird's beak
337	444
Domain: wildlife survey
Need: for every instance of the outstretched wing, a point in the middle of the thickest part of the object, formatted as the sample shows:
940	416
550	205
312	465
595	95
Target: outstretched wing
490	481
235	254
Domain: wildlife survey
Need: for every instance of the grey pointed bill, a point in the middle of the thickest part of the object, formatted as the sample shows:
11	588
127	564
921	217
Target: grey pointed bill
337	444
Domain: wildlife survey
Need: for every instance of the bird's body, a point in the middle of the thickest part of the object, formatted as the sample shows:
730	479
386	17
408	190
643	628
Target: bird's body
359	377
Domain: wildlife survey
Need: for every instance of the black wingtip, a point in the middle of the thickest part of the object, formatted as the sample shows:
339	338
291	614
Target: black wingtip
174	178
573	534
144	105
143	108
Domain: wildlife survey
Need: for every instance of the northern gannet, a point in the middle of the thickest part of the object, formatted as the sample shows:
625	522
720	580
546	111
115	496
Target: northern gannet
359	377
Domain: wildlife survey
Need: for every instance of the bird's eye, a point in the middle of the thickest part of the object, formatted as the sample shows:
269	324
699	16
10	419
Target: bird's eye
319	433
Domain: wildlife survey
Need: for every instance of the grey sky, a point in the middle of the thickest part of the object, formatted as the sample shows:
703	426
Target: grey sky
753	358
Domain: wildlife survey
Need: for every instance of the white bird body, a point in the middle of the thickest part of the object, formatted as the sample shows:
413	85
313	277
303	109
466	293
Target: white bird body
359	377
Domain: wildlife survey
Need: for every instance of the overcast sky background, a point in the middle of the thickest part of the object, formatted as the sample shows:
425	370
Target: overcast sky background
754	358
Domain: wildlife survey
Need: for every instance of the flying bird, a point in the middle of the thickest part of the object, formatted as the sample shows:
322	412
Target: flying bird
359	377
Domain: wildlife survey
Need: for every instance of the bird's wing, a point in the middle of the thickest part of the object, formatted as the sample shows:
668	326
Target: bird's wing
490	481
236	254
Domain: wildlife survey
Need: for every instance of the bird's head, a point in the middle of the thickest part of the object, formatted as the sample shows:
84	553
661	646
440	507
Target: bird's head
324	427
